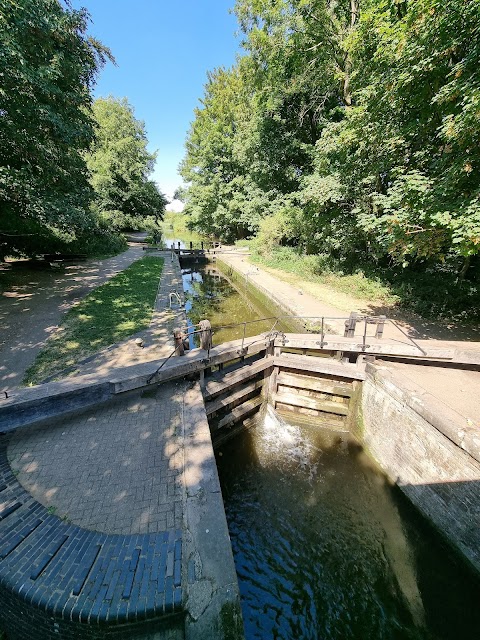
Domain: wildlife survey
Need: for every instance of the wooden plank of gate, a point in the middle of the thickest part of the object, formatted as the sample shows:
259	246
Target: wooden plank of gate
310	403
373	345
314	384
319	365
239	412
216	387
217	405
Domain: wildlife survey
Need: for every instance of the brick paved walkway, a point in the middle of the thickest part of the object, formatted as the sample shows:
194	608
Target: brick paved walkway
115	469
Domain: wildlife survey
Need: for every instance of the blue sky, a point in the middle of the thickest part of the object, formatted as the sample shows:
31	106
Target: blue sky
163	51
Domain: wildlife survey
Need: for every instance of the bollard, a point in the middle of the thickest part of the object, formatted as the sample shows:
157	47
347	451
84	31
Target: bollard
178	339
205	335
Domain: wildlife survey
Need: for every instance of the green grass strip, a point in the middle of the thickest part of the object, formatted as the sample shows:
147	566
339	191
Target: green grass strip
109	314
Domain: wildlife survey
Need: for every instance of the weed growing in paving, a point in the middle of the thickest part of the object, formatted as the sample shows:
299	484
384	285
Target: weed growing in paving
116	310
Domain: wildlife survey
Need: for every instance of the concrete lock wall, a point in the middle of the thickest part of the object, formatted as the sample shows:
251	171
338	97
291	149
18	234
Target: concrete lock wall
428	451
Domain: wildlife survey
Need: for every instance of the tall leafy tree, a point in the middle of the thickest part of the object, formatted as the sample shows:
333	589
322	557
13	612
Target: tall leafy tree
350	127
47	68
419	87
120	165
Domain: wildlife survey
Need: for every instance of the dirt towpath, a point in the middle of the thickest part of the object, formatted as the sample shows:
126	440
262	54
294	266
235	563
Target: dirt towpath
458	389
33	302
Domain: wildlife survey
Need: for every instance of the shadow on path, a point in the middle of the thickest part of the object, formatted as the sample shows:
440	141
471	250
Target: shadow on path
33	302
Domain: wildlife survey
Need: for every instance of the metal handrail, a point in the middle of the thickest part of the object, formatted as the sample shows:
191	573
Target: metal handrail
272	334
323	321
363	318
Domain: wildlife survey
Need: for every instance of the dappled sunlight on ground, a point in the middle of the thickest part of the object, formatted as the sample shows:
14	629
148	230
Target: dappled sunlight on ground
32	304
116	468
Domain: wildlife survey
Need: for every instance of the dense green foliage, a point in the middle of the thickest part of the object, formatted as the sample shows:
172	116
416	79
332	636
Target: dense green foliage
349	128
120	165
111	313
48	67
50	200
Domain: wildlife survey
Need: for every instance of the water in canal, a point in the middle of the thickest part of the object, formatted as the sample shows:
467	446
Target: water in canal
324	547
210	293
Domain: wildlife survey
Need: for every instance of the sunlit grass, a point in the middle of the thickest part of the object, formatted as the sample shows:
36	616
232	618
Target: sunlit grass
174	227
333	287
116	310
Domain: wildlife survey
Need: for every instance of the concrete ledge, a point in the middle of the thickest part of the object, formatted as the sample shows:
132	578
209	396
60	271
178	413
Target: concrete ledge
213	601
450	423
421	445
51	400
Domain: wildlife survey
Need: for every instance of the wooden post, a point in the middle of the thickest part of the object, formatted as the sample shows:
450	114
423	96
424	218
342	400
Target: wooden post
178	338
350	325
272	387
380	326
205	334
191	245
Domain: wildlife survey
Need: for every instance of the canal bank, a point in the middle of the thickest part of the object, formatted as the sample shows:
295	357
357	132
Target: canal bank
426	447
364	572
111	517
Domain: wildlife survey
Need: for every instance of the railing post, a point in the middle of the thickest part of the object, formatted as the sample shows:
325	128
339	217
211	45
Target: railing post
365	333
380	326
210	343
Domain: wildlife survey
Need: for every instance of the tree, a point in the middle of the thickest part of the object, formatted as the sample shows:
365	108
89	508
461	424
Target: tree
120	165
48	66
351	127
420	91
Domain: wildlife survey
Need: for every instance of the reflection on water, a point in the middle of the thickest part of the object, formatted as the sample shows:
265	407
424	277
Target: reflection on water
325	548
210	295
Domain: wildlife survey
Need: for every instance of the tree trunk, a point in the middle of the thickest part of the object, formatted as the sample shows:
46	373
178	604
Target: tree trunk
463	271
347	94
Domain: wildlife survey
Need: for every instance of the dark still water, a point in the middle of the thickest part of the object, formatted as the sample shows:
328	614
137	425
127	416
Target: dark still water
325	548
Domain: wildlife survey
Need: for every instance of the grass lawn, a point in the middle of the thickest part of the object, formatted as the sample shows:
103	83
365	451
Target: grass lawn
112	312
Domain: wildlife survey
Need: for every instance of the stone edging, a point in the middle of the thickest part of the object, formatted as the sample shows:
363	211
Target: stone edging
450	423
213	597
